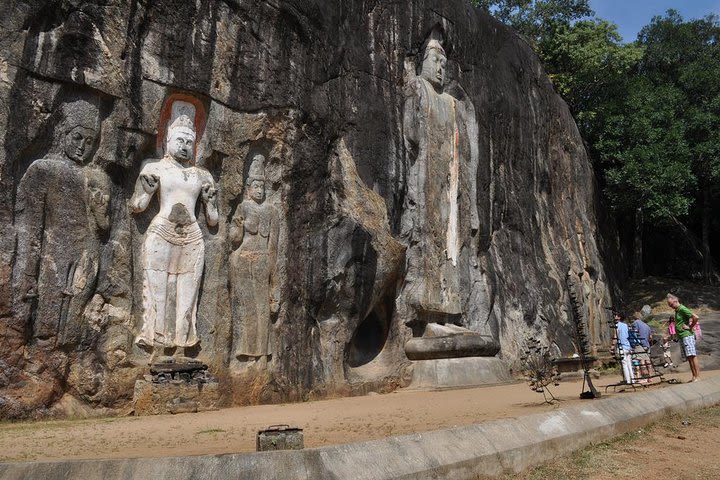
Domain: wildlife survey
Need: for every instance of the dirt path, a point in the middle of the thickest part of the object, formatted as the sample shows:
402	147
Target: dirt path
342	420
679	447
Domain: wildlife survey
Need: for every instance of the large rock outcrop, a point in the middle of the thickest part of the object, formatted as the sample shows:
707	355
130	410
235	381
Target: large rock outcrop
319	89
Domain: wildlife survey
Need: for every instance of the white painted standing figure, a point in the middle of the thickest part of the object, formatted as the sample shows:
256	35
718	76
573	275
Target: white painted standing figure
173	253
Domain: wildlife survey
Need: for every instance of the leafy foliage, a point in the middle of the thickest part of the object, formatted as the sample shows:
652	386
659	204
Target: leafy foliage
649	110
660	138
587	62
643	147
536	18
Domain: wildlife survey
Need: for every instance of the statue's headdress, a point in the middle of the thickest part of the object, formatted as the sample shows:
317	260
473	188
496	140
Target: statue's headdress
79	113
183	121
434	44
257	169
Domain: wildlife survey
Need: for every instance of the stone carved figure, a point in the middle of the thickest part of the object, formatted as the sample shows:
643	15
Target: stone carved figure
253	283
61	215
440	211
173	253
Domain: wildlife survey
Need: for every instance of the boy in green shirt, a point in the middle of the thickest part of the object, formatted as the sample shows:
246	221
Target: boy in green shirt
685	321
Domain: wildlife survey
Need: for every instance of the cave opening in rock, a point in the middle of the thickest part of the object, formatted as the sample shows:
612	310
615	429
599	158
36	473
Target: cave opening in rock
368	340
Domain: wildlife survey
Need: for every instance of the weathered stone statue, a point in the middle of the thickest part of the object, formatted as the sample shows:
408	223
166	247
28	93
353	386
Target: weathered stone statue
440	211
173	250
61	214
253	283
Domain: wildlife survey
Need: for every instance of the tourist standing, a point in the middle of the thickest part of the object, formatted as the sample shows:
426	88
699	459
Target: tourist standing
643	332
685	321
624	349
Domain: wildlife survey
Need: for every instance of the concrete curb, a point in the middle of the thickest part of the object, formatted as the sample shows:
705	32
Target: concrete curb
462	453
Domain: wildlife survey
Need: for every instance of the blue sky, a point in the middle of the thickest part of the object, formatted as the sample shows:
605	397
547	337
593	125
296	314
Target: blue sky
632	15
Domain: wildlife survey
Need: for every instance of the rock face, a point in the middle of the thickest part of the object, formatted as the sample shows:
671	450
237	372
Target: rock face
322	228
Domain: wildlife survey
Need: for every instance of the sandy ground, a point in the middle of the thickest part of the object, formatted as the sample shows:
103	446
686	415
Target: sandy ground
336	421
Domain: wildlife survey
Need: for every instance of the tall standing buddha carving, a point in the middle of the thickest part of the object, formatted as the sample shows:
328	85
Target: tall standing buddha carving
61	215
440	212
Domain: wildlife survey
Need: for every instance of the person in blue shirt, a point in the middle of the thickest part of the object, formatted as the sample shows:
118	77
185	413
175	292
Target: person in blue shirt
624	349
644	332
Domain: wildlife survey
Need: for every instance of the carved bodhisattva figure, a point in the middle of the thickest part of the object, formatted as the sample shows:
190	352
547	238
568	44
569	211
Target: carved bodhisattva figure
173	253
440	211
254	234
61	216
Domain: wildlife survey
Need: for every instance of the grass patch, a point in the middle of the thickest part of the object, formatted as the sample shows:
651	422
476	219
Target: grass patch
611	457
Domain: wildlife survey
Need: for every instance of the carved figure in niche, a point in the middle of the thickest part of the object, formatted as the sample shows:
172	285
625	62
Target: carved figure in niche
253	283
173	253
61	215
440	211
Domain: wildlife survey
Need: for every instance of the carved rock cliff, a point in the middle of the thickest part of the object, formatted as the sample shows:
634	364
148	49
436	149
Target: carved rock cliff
317	88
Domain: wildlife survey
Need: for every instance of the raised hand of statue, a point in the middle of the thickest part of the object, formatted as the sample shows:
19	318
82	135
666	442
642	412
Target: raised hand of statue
236	230
99	203
150	182
238	221
31	293
209	193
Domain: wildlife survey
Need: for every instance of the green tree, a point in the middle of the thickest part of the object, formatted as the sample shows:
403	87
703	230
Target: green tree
584	56
646	158
588	64
686	55
536	18
659	138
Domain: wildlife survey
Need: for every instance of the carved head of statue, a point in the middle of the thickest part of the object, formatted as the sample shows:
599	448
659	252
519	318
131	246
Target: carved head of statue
255	183
79	144
80	130
181	139
433	66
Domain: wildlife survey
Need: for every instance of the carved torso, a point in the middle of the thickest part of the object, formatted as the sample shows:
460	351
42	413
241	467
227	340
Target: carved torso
59	241
178	185
431	219
257	223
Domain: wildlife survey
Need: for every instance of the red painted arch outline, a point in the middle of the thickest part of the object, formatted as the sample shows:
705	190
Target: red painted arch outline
199	120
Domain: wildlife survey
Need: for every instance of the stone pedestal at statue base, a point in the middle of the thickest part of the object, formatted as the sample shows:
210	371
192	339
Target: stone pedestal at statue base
176	387
466	344
462	359
459	372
